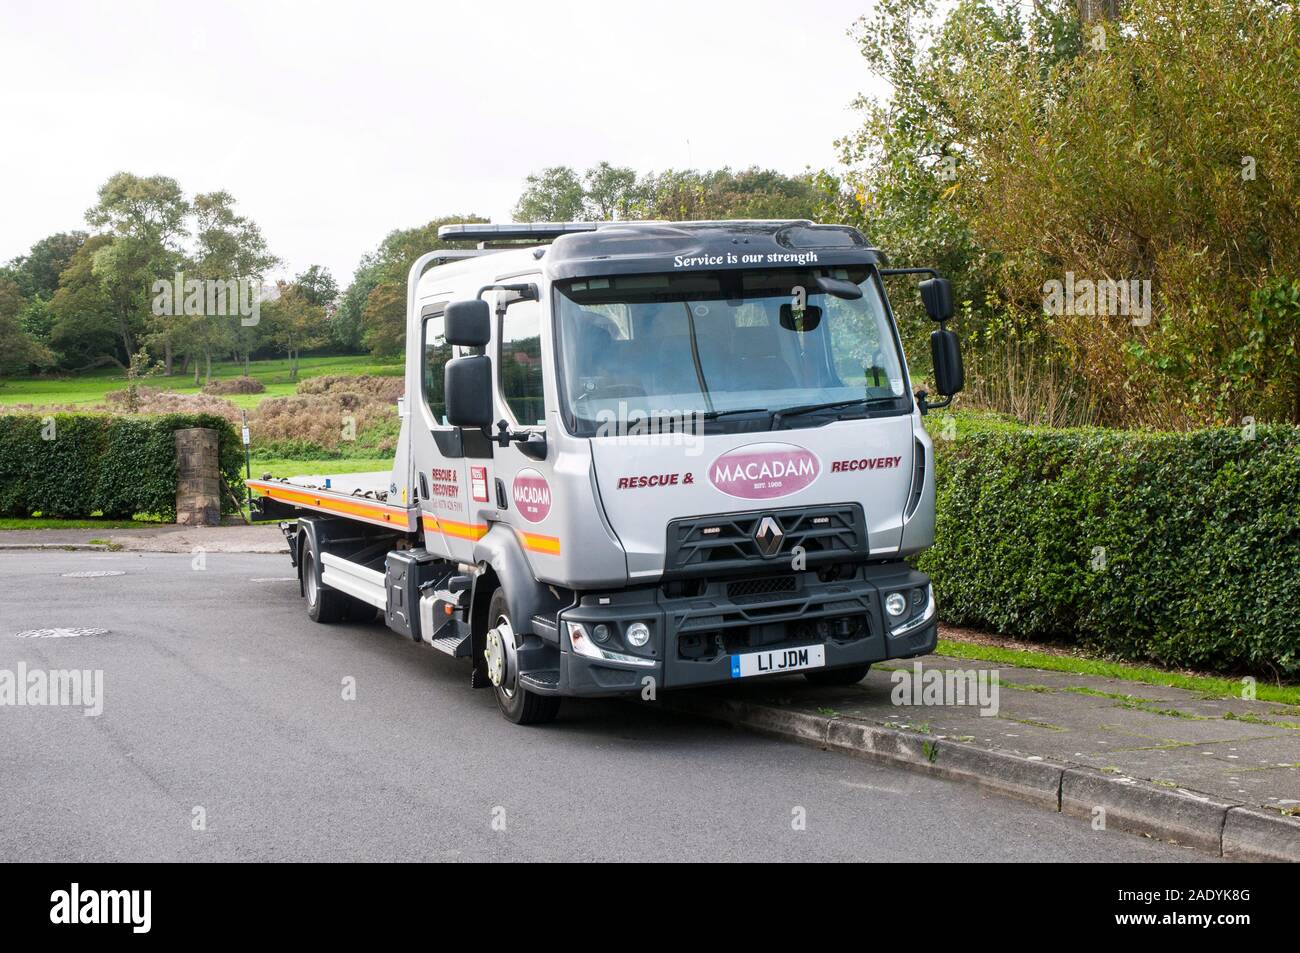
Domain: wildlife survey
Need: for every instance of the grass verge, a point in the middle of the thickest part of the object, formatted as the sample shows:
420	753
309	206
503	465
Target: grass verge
1205	684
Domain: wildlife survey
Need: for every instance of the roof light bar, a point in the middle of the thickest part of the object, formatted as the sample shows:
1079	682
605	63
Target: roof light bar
537	231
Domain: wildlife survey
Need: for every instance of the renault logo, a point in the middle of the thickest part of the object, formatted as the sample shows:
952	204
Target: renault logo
769	536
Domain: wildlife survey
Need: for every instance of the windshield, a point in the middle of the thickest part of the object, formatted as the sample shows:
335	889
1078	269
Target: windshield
710	343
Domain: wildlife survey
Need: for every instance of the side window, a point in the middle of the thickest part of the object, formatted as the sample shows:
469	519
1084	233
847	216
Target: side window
437	352
520	366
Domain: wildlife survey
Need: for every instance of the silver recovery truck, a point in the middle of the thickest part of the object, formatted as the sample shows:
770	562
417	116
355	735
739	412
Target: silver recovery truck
640	457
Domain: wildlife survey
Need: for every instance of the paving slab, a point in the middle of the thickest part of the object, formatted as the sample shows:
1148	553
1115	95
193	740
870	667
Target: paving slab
1164	761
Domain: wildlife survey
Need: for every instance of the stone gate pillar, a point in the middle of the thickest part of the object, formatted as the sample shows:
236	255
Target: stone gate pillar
198	478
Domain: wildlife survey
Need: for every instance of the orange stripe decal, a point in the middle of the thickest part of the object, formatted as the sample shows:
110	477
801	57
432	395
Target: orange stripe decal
549	545
370	510
473	531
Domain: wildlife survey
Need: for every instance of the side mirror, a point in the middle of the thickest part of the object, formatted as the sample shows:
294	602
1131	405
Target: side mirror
936	294
949	375
467	390
468	323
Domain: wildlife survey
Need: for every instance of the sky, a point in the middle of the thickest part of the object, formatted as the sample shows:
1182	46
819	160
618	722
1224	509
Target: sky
334	123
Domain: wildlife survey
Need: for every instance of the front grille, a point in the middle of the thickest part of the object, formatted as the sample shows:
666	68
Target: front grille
726	542
748	588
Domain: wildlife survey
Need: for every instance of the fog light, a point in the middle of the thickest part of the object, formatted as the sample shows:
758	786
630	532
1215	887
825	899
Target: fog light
919	599
895	604
600	633
638	634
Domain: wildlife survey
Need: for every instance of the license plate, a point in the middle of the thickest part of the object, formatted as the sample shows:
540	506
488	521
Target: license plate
778	660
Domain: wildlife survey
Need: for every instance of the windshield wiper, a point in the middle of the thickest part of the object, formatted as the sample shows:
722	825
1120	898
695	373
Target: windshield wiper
715	414
780	415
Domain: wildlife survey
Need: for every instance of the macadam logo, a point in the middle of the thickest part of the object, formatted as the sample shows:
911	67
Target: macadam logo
764	471
532	495
208	298
935	686
70	688
75	906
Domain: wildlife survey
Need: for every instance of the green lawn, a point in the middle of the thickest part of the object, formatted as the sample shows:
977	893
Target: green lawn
90	387
290	468
1205	684
41	522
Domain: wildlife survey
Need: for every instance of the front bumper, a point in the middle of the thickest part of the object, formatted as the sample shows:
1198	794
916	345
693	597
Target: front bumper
693	637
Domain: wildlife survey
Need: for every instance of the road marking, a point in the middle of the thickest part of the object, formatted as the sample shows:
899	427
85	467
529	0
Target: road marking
59	633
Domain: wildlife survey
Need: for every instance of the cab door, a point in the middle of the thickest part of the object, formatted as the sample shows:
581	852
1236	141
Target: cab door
442	478
522	485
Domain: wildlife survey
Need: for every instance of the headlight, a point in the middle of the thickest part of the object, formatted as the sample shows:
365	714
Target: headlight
638	634
600	633
584	644
896	604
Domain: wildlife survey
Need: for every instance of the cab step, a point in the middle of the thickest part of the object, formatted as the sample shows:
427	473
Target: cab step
543	681
457	646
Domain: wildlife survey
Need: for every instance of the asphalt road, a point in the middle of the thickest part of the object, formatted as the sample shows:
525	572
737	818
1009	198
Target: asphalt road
219	694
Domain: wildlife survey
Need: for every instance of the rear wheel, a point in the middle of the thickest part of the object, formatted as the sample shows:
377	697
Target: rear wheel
849	675
517	703
323	603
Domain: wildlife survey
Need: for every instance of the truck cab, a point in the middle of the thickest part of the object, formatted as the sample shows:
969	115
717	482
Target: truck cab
641	457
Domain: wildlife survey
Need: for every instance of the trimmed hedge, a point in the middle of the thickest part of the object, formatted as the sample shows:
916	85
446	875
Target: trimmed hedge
1181	549
117	466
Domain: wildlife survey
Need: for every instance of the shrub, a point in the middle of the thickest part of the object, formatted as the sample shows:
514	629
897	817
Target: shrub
372	387
235	385
150	400
115	465
1182	549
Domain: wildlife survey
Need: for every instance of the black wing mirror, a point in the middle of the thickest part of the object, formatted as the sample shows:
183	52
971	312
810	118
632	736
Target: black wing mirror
936	294
949	374
469	323
467	390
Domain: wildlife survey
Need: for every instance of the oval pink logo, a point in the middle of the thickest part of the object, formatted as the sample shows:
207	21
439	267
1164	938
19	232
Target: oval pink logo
532	495
764	471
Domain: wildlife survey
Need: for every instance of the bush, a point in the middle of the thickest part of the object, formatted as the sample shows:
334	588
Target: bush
115	465
1181	549
151	400
385	389
235	385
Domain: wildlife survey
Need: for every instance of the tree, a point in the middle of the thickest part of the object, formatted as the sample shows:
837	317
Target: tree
18	352
1024	144
553	195
84	329
145	217
318	285
294	324
37	272
377	294
609	192
228	246
346	326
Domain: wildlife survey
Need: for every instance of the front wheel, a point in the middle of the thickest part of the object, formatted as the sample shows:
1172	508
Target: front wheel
849	675
517	703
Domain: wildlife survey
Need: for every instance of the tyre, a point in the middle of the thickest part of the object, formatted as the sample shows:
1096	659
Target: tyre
323	603
517	703
849	675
